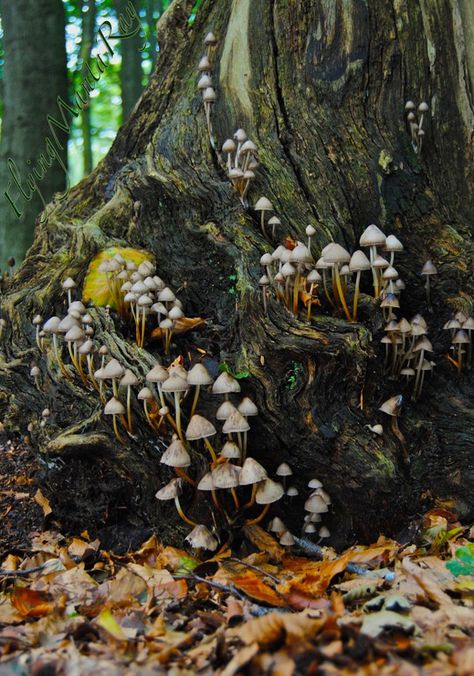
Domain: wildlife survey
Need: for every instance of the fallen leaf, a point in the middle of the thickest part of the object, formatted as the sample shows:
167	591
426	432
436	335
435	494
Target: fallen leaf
273	627
181	325
108	622
30	603
376	623
264	542
240	659
43	502
80	549
253	586
310	579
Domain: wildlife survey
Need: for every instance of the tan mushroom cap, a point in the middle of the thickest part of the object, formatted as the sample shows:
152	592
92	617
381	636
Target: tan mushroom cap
335	254
199	375
201	538
74	334
277	525
284	470
51	325
269	491
461	338
252	472
225	384
429	269
69	283
176	455
247	408
175	384
392	243
129	378
226	475
113	369
314	483
324	532
114	407
199	428
316	505
287	539
235	423
170	491
144	394
309	528
372	236
263	204
230	450
359	261
206	483
392	405
423	344
225	410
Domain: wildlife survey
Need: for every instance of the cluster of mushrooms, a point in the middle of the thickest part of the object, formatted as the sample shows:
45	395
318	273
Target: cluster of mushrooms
205	82
295	277
240	161
239	487
317	504
461	328
406	347
140	295
415	123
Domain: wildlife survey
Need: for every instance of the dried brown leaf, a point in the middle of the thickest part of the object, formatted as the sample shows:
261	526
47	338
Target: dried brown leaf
43	502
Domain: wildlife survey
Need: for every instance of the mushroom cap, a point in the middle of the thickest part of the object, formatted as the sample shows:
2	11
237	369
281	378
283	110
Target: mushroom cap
313	277
230	450
225	410
345	271
274	220
113	369
175	384
37	319
314	483
87	347
65	324
166	295
204	82
287	539
204	63
225	384
316	505
429	269
310	230
166	324
336	254
34	371
206	483
175	313
390	273
128	379
170	491
309	528
69	283
407	372
145	394
409	105
392	406
404	325
264	281
460	338
372	236
74	334
263	204
252	472
51	325
240	136
376	429
199	428
201	538
209	95
380	262
423	344
392	243
276	525
226	475
288	270
114	407
284	470
292	491
324	532
248	147
359	261
247	408
423	107
144	301
268	491
468	324
322	264
176	455
235	172
301	254
77	306
229	146
266	259
210	39
390	300
235	423
418	319
199	375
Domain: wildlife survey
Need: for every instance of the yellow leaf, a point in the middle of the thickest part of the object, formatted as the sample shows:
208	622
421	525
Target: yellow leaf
108	622
43	502
96	287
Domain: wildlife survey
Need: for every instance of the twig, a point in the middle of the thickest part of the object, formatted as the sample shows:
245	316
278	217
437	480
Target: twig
217	585
252	567
20	573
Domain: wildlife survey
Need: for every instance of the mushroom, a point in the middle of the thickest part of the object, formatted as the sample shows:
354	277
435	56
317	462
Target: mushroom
113	371
37	321
323	532
198	376
335	255
146	395
427	271
287	539
393	245
52	326
284	470
358	263
274	221
158	374
225	384
202	538
268	491
177	386
129	379
392	407
251	474
226	476
230	451
277	526
35	374
312	279
177	456
115	408
236	423
460	338
68	285
373	237
229	147
201	428
263	205
248	409
171	492
310	232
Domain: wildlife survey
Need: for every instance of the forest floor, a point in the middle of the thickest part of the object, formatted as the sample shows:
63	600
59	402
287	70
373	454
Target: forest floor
69	606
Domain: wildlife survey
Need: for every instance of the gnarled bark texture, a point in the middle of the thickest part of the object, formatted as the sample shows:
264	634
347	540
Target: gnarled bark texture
320	87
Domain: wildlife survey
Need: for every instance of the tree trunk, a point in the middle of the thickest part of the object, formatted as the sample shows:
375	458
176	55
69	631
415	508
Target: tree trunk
131	71
35	75
88	28
320	87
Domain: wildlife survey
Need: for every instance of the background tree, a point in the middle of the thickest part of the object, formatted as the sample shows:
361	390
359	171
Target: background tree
131	70
87	42
320	87
34	75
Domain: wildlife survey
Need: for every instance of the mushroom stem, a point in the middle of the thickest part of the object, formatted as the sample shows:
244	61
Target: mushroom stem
341	293
182	514
129	412
195	400
181	473
251	502
210	449
177	410
252	522
147	414
117	433
418	374
428	295
401	439
356	296
328	296
235	497
63	369
142	337
262	223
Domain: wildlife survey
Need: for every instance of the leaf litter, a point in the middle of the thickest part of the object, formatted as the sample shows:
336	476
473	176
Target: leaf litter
71	607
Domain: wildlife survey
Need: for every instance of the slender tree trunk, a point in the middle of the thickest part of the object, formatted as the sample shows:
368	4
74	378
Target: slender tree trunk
131	71
34	76
88	27
153	10
320	87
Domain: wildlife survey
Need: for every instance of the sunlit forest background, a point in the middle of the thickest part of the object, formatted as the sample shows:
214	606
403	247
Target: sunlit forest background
53	32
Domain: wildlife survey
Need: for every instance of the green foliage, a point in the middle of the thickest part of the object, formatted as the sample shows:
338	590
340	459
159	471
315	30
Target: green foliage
463	563
293	373
224	367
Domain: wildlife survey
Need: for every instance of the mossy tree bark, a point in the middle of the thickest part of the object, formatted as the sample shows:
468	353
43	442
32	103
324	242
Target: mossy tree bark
320	87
